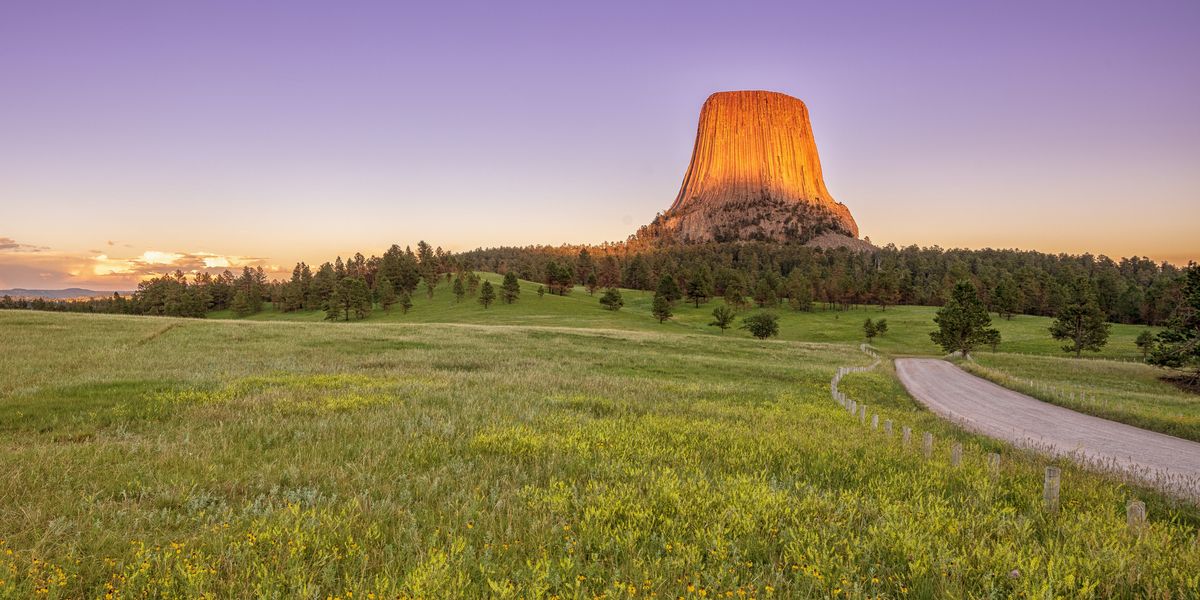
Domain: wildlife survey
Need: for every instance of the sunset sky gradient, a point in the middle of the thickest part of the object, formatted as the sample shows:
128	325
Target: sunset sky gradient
140	136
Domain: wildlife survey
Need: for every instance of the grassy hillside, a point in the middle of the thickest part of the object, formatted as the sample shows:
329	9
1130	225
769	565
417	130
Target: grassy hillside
909	325
150	457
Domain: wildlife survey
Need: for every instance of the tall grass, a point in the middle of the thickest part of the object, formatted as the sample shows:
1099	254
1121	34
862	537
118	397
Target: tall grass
236	459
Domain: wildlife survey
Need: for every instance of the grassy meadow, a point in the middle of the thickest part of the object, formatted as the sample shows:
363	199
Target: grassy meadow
908	334
581	455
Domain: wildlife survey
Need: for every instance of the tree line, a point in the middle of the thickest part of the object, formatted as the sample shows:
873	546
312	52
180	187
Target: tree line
1009	282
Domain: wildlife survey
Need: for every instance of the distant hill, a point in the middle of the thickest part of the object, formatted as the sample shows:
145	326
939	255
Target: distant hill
67	294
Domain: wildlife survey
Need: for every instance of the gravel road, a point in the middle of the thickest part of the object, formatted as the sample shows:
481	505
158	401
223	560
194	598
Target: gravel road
1170	463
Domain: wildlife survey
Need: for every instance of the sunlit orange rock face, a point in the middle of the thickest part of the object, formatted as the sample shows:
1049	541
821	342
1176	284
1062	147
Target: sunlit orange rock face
754	175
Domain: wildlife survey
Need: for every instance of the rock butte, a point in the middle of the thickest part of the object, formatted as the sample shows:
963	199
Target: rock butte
754	175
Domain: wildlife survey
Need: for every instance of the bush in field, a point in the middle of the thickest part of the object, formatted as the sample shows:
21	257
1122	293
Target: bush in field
870	330
612	300
762	325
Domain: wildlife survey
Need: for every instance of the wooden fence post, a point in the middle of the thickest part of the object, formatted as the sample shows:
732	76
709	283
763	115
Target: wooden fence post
928	444
887	427
956	454
907	433
874	421
1135	516
862	414
1050	489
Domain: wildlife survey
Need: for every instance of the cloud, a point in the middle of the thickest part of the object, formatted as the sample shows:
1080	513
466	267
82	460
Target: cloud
8	244
156	262
106	270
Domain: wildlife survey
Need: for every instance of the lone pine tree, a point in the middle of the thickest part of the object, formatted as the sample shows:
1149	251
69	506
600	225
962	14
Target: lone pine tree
963	322
510	290
661	308
1081	322
487	294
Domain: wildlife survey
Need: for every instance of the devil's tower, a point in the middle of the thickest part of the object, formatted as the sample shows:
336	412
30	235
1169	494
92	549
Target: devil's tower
754	175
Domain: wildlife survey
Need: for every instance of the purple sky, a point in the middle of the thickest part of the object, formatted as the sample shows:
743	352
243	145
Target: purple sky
286	131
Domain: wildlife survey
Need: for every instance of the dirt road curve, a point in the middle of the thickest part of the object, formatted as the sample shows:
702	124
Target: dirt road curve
984	407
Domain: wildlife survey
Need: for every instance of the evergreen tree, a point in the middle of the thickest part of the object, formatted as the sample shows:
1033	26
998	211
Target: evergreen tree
431	283
612	300
764	293
881	327
1007	297
295	291
661	308
241	305
799	291
991	339
541	291
887	288
1081	321
360	296
386	292
405	302
252	285
428	267
410	272
584	266
735	294
487	295
762	325
335	305
322	287
560	278
869	329
637	274
963	322
1145	343
592	282
1178	346
510	290
459	290
668	288
339	269
351	298
722	317
699	286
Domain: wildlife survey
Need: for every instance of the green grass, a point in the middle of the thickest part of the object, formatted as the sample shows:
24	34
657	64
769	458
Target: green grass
909	326
159	457
1121	391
